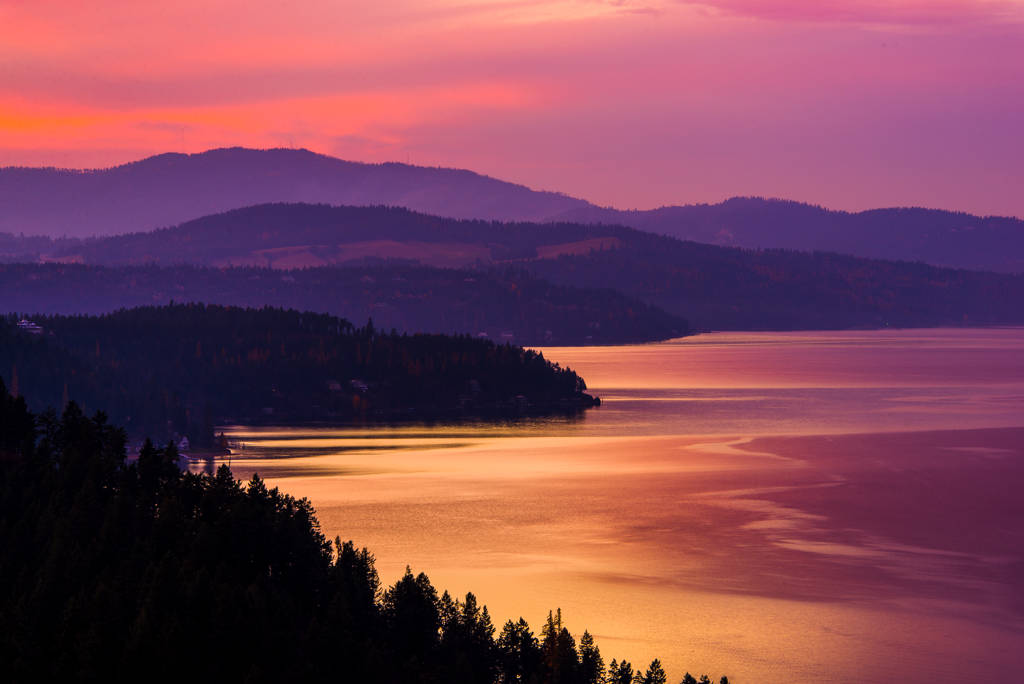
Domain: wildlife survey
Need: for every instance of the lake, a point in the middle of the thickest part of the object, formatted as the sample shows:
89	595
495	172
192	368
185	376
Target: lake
778	507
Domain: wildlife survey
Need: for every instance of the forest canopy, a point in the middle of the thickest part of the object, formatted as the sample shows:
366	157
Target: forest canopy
183	368
113	567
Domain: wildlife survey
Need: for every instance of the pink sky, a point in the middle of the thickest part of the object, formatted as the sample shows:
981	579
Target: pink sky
851	104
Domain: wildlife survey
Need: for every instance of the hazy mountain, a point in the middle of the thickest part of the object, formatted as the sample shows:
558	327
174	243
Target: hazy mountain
729	288
943	238
713	287
173	188
502	305
304	235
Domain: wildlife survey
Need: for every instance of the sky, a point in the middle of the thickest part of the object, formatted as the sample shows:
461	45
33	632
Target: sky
627	103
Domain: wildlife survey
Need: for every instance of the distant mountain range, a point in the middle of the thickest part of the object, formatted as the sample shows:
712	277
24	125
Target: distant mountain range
522	278
943	238
170	189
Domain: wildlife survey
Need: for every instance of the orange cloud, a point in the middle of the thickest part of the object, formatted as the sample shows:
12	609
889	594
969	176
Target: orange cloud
633	102
316	122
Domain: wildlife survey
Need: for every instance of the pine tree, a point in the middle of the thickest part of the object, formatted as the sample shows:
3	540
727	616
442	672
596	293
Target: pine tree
655	673
591	663
519	653
621	673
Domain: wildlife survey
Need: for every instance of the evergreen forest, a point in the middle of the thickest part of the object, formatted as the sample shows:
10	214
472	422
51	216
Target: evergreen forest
178	370
117	569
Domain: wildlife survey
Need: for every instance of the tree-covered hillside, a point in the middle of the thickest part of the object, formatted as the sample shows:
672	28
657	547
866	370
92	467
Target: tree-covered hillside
114	570
725	288
181	369
712	287
252	234
505	304
170	189
944	238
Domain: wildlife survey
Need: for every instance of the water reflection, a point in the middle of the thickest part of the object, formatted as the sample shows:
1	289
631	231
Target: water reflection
778	507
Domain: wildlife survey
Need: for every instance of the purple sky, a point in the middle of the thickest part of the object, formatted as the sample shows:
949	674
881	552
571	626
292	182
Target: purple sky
850	104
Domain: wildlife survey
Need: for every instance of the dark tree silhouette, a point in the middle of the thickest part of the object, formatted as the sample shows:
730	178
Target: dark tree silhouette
591	663
620	673
178	370
111	567
655	674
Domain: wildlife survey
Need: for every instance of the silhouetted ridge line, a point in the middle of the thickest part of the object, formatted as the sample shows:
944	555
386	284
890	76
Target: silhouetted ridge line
176	371
171	188
712	287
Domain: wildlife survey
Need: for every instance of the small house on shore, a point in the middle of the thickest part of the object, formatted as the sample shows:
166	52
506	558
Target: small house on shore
31	327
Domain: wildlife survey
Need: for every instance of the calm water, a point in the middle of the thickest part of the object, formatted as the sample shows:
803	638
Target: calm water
775	507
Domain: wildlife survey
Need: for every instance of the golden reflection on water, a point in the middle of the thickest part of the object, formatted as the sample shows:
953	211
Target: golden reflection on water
775	507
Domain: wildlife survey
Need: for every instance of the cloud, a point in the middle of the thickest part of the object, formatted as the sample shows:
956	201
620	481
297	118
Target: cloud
163	126
631	102
874	12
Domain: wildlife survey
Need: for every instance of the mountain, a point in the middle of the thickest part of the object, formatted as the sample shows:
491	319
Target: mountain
504	305
710	286
729	288
305	235
943	238
170	189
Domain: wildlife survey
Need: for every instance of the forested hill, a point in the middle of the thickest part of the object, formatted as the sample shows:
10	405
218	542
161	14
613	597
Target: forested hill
712	287
110	568
181	369
505	304
170	189
305	235
943	238
723	288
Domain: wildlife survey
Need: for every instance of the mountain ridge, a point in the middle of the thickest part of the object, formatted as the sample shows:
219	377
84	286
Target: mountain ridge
935	236
172	188
711	286
134	196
